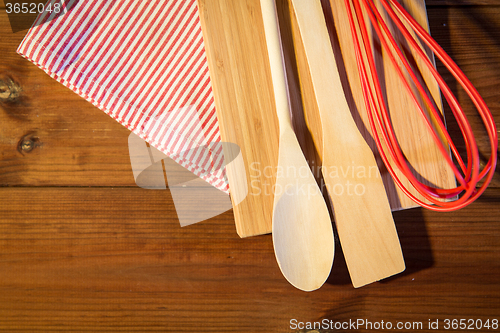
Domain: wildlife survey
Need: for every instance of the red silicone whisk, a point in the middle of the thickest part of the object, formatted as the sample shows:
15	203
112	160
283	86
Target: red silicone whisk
469	174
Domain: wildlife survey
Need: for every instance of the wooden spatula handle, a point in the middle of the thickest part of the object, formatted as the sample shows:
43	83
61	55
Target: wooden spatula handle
363	217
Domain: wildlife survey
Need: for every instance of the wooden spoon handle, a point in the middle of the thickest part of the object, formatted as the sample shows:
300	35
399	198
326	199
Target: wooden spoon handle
275	53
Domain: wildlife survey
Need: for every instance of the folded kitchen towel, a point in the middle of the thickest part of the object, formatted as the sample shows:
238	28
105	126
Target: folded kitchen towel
142	62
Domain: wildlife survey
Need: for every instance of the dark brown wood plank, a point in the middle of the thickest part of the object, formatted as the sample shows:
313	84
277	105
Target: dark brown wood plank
462	3
76	143
80	145
471	36
116	259
428	2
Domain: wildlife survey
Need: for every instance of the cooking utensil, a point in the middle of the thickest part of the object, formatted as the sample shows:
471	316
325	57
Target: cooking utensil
436	198
413	137
362	213
302	229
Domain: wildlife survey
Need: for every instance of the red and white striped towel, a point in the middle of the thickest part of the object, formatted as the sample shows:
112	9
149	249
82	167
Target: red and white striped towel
143	62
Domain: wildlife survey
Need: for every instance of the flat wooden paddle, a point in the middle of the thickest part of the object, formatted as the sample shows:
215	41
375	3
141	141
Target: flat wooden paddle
233	34
301	225
362	213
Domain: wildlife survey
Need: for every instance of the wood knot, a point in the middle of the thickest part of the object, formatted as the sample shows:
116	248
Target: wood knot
9	90
219	62
28	143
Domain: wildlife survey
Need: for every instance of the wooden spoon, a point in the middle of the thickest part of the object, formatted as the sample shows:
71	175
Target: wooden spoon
301	225
362	213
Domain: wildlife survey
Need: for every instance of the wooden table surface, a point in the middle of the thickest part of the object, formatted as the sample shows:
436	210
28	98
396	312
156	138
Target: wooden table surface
82	248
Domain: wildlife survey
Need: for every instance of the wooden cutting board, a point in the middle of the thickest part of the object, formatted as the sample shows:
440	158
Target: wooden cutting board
237	55
240	72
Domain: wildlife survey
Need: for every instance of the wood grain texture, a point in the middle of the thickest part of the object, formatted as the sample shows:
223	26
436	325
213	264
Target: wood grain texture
77	144
115	259
471	36
239	68
77	151
462	2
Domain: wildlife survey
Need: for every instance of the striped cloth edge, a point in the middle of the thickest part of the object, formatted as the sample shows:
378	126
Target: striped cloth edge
144	64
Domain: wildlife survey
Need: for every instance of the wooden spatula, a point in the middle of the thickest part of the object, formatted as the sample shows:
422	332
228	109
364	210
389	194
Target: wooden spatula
362	213
301	225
